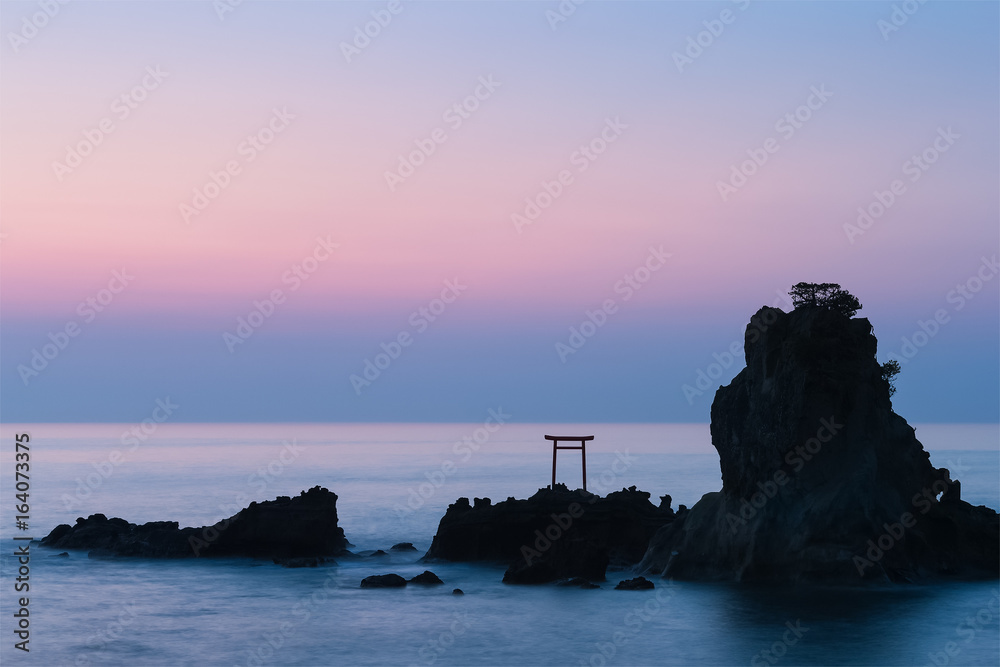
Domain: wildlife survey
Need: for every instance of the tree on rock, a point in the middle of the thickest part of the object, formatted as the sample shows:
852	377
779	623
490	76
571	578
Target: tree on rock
890	370
827	295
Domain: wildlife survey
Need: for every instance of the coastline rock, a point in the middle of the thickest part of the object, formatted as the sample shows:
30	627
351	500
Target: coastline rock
427	578
458	591
637	584
383	581
555	534
577	582
403	546
821	480
285	528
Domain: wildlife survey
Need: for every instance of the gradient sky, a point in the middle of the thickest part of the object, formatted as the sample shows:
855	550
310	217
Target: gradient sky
323	176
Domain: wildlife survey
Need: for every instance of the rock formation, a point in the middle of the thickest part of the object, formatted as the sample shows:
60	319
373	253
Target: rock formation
555	534
821	480
383	581
285	529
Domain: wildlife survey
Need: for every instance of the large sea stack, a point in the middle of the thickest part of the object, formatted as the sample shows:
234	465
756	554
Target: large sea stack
821	480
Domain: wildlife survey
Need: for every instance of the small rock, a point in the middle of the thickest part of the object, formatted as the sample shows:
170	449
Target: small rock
637	584
377	553
64	554
313	561
426	577
458	591
403	546
578	582
383	581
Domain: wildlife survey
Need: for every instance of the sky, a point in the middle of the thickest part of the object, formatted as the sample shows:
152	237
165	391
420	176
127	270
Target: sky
424	211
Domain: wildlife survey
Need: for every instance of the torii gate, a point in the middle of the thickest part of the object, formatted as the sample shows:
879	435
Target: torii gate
582	439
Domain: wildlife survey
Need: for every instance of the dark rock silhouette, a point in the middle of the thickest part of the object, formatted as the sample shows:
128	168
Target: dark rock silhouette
285	528
403	546
427	578
555	534
821	480
458	591
637	584
383	581
313	561
577	582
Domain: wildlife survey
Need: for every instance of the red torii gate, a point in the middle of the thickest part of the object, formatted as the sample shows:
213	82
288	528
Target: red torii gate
582	439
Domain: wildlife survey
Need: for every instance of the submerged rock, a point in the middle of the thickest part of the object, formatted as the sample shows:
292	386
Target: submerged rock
285	528
637	584
403	546
383	581
821	480
555	534
577	582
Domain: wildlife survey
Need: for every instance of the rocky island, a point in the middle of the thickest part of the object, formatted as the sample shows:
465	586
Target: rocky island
821	480
303	527
555	534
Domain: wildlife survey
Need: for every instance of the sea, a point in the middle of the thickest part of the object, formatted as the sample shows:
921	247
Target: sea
394	483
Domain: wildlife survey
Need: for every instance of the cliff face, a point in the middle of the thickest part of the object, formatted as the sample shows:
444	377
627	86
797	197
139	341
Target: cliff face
304	526
821	479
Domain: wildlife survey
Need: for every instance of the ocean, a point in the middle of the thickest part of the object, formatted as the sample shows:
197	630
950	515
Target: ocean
395	482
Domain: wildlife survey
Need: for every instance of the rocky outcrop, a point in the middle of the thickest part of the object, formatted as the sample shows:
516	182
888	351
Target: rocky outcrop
427	578
821	480
285	529
555	534
383	581
637	584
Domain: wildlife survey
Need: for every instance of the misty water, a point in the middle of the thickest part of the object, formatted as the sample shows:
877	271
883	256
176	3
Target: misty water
393	488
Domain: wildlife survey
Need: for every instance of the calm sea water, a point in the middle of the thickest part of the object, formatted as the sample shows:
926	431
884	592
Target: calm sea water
395	482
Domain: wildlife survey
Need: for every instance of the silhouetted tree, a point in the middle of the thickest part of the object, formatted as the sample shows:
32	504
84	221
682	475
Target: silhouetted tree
890	370
827	295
